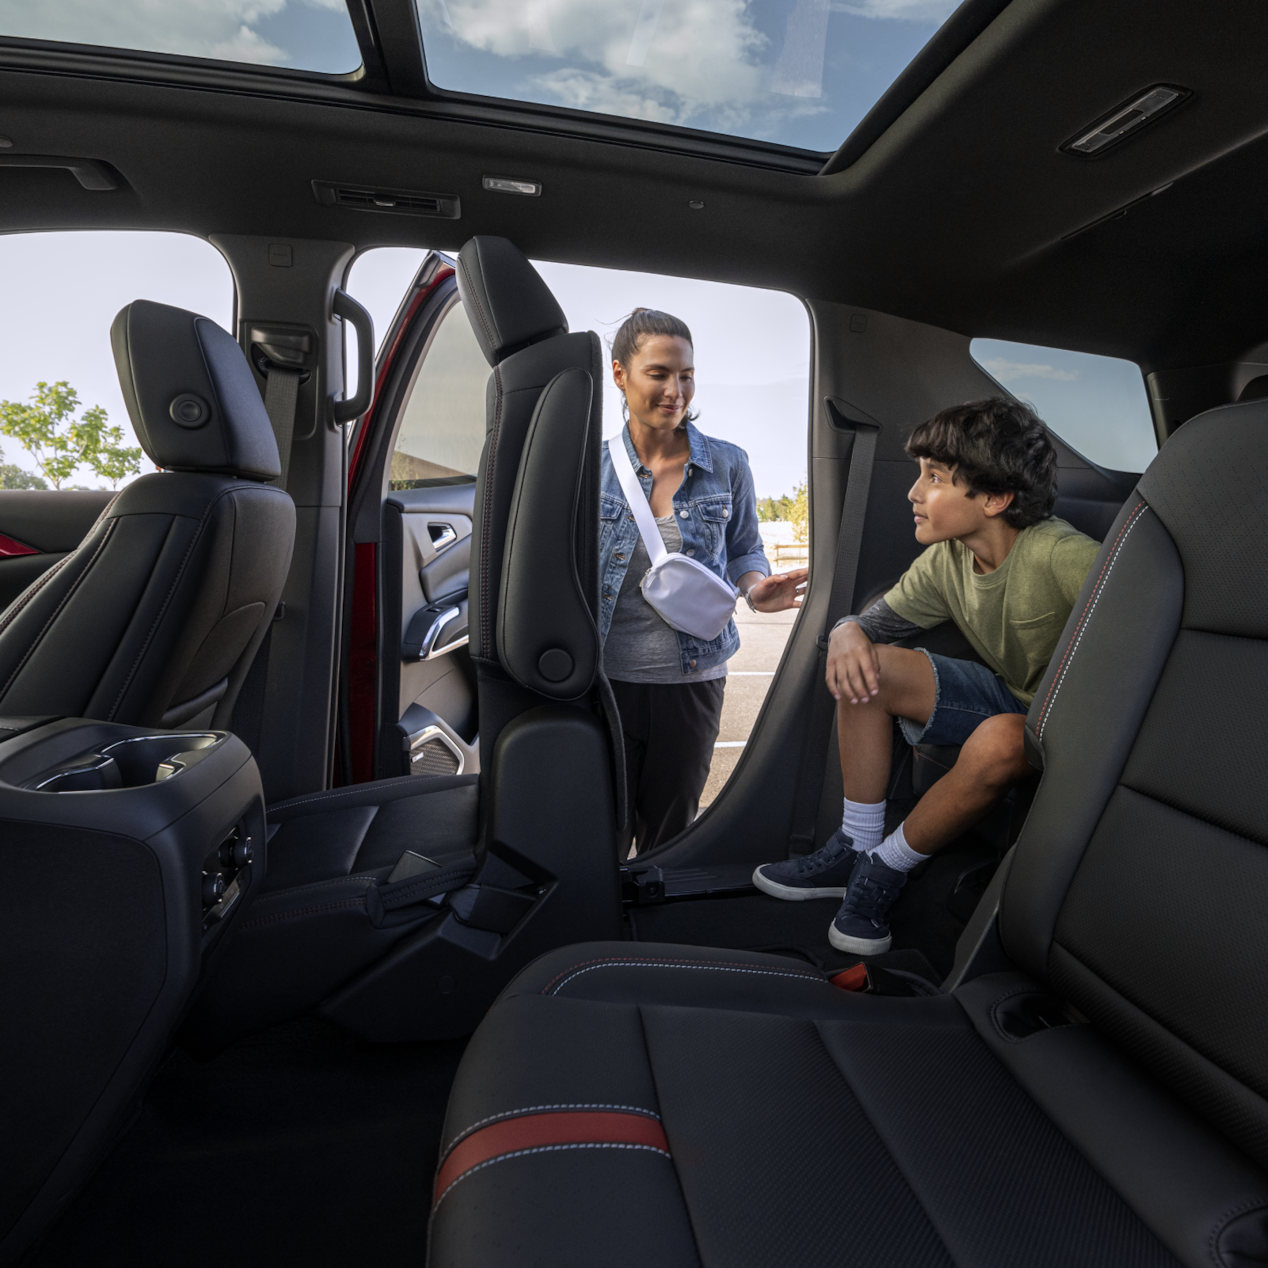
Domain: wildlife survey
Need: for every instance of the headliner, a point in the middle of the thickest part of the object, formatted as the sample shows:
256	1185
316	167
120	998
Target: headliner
954	205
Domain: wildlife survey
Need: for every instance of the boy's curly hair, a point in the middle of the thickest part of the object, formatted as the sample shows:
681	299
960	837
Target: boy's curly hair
997	445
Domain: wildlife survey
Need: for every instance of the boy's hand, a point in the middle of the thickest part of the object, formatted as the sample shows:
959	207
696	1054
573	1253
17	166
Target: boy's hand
853	667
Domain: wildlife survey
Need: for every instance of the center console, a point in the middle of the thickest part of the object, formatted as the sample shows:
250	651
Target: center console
127	854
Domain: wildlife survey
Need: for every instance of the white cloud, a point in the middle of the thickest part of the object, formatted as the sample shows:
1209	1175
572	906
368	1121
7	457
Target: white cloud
903	10
197	28
1005	371
692	62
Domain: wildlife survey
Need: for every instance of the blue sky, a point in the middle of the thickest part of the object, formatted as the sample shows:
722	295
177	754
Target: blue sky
803	72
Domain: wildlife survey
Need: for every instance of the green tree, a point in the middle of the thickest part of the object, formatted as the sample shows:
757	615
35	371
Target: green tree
59	442
799	513
13	477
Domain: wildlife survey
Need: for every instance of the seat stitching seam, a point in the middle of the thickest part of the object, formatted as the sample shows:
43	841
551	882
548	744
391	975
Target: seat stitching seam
544	1149
884	1144
490	471
475	299
167	599
651	1070
1222	1223
1093	599
541	1109
725	966
30	651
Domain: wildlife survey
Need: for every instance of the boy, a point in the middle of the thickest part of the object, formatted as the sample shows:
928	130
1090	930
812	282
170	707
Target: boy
1007	573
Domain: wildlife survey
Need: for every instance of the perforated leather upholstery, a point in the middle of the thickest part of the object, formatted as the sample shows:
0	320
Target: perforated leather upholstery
156	617
806	1125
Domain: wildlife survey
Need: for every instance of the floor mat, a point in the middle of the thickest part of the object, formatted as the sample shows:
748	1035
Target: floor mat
295	1146
923	924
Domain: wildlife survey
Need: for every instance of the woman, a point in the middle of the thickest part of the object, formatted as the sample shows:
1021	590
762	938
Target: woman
669	685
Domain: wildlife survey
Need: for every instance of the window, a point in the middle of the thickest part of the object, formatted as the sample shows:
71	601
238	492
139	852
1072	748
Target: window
1097	405
301	34
442	431
63	291
753	387
800	72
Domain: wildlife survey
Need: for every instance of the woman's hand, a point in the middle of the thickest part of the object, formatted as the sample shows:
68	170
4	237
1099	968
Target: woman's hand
776	593
853	667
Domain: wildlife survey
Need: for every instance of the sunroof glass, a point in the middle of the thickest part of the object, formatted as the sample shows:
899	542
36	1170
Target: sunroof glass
301	34
801	72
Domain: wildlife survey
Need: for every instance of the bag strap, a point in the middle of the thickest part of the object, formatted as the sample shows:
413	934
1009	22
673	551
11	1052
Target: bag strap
844	574
637	499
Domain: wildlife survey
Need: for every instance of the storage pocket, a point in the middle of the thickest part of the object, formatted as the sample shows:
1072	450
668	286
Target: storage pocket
715	513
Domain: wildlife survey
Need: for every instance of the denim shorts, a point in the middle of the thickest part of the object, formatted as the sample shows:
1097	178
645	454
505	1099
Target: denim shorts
967	694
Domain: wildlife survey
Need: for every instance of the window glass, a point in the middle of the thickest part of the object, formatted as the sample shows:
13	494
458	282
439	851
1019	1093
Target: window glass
801	72
63	291
752	353
301	34
442	431
1097	405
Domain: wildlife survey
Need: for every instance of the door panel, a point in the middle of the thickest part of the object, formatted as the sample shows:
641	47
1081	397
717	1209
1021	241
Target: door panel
420	463
50	523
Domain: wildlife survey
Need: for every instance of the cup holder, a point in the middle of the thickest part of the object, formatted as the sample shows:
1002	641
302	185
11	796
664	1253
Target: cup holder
132	763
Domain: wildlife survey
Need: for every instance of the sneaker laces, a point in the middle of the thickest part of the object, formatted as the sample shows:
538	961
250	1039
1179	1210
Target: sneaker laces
870	897
821	859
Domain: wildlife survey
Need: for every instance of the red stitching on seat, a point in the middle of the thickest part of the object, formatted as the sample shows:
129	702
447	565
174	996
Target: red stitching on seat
681	962
535	1132
1087	609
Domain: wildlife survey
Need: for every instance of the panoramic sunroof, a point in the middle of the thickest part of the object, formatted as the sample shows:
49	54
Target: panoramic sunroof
300	34
800	72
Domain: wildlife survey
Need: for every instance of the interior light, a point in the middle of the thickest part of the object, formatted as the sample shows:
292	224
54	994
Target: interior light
509	185
1126	119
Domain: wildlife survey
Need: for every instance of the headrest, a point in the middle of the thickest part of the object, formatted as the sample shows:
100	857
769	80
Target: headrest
191	394
508	304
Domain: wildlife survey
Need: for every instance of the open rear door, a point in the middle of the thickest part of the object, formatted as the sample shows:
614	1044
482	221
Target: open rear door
409	699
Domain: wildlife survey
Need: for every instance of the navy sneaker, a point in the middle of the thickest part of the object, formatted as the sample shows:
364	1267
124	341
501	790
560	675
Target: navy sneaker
823	874
862	924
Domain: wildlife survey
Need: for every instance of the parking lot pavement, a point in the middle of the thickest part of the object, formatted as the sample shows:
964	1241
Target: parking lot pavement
752	668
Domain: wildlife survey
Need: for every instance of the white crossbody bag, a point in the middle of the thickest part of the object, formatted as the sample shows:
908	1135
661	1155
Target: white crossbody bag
684	593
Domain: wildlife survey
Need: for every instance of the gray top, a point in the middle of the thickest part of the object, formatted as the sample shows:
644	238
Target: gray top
640	647
882	624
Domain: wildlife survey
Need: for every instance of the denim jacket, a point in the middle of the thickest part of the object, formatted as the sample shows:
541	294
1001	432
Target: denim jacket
717	516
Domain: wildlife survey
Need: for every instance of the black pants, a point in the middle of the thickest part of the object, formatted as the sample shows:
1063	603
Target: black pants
669	729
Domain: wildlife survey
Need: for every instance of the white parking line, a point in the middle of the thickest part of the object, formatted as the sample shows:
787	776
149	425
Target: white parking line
730	744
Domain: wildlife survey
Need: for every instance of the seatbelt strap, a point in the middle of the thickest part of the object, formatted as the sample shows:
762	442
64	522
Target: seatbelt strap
637	499
281	397
844	574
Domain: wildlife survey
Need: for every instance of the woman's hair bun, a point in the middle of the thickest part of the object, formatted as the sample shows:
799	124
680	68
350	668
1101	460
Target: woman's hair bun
646	321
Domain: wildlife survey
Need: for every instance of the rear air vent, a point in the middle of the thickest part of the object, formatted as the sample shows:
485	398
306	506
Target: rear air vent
395	202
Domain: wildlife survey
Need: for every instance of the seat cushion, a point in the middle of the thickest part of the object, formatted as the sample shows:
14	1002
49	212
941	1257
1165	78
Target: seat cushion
679	1105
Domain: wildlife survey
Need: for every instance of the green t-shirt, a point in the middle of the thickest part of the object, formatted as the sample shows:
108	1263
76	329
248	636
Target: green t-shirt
1012	616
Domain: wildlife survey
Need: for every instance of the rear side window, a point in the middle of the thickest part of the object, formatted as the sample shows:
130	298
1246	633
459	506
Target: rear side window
442	430
62	291
1097	405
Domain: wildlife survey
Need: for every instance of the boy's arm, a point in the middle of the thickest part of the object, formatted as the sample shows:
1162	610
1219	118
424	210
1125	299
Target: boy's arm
853	667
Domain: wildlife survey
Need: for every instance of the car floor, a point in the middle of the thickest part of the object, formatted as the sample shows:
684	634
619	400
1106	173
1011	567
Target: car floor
926	920
303	1145
298	1145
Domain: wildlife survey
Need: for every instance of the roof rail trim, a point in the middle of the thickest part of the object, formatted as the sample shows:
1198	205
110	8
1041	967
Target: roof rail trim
948	42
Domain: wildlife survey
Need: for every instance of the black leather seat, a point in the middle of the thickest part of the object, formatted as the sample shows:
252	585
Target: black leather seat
353	919
1093	1092
154	620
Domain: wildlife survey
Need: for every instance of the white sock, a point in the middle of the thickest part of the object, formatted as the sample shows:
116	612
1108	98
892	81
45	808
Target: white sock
894	852
865	822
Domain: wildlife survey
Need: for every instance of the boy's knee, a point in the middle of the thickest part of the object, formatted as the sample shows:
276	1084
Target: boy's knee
998	747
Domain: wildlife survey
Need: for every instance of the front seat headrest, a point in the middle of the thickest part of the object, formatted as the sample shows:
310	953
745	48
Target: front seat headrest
508	304
191	394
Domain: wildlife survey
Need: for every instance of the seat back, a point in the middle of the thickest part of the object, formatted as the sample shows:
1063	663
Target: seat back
534	558
154	620
1140	881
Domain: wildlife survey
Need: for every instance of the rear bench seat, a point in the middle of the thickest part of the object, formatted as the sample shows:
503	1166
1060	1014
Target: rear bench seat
1102	1102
